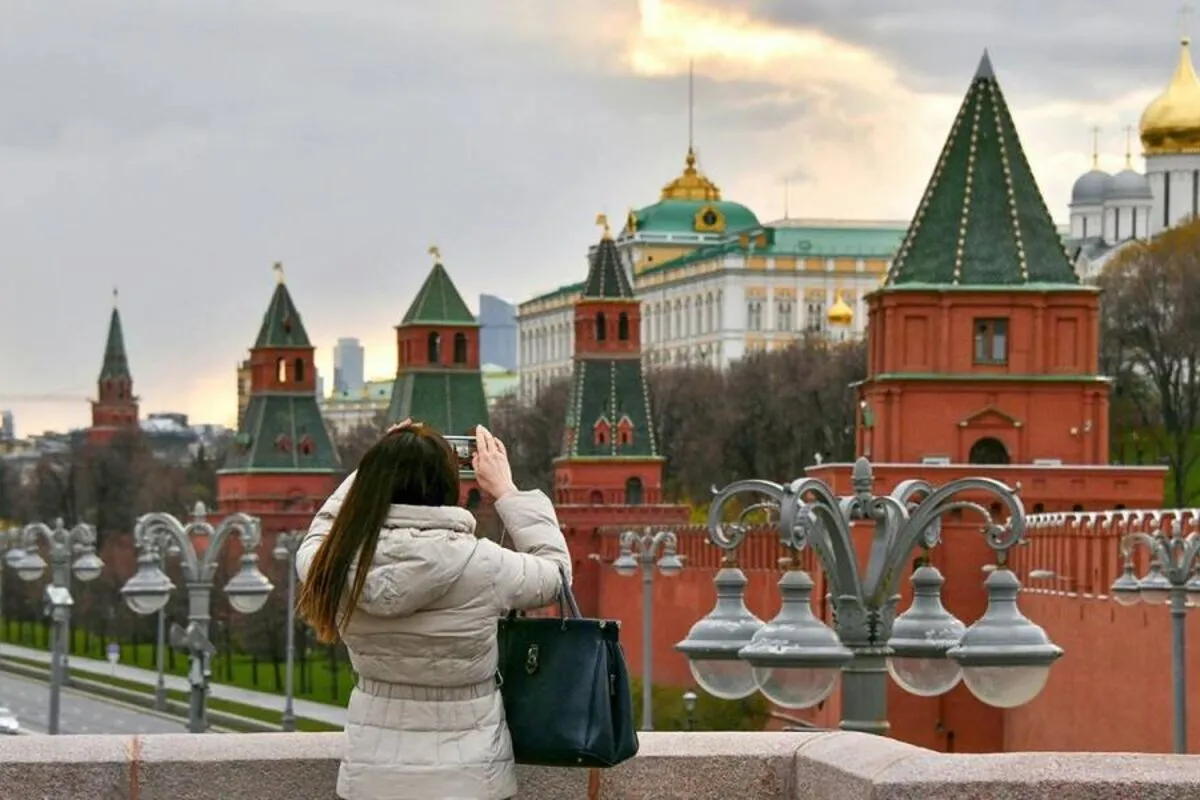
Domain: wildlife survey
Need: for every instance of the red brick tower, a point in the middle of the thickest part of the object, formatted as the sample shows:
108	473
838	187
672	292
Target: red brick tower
983	360
115	407
283	463
438	381
610	472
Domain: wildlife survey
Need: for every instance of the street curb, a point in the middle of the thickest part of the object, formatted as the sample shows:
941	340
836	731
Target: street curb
220	722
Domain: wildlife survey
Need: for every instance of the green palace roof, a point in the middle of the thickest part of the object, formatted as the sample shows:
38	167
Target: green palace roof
817	241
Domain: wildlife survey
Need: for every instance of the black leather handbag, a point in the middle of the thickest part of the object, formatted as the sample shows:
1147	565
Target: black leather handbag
566	688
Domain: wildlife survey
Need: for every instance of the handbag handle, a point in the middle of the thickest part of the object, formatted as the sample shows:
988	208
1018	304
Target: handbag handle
566	597
568	608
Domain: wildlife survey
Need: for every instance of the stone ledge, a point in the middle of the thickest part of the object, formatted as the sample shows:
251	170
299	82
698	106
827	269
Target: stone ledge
821	766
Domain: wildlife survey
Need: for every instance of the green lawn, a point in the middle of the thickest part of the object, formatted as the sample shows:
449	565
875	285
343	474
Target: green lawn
315	680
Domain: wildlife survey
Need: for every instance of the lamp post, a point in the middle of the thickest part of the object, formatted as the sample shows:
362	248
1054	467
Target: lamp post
160	636
689	708
1173	541
646	550
286	545
80	542
796	659
11	552
149	589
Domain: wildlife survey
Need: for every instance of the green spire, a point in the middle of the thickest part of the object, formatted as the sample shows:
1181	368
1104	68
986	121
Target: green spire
281	325
982	220
116	363
606	277
438	301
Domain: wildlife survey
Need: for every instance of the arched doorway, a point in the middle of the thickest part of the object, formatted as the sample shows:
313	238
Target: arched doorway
633	492
988	451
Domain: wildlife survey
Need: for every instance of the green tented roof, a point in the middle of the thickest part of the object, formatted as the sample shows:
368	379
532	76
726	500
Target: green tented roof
116	363
452	401
982	220
282	433
281	325
606	392
606	277
438	302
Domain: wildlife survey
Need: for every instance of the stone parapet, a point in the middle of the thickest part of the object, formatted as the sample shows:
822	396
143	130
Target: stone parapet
817	766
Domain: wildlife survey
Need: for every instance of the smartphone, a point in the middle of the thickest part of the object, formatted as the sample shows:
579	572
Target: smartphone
464	448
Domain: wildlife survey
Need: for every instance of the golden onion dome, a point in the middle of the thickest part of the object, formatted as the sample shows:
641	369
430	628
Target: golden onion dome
1171	123
840	313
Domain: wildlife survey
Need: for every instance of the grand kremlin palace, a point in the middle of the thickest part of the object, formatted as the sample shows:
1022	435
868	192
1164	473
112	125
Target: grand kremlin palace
716	283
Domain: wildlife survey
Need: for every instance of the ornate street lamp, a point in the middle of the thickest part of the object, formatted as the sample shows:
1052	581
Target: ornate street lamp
286	545
796	660
647	550
1172	539
148	591
80	542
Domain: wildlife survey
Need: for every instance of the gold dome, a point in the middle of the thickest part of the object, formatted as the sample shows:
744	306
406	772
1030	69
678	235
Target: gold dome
1171	123
692	184
840	314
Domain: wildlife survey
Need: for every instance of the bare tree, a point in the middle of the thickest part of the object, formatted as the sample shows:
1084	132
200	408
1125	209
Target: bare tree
352	445
1151	335
533	433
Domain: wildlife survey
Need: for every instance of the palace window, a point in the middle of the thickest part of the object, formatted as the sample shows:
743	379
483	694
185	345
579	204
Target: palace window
754	315
991	341
434	354
623	327
784	318
281	370
815	321
460	348
601	327
298	371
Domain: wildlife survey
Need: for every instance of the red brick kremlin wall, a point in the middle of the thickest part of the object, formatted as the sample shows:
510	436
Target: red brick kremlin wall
1089	703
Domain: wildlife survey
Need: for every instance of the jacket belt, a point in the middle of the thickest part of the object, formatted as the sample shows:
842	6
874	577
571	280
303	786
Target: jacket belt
409	691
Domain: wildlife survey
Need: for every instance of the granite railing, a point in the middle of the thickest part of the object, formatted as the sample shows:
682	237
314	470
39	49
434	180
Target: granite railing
826	765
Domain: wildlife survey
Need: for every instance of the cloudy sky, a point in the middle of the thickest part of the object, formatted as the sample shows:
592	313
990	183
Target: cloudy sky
176	148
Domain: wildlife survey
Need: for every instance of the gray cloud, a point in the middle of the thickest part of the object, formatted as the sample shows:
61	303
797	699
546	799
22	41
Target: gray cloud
178	148
1086	49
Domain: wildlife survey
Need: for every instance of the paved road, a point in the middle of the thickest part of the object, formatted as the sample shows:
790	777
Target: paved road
308	709
30	701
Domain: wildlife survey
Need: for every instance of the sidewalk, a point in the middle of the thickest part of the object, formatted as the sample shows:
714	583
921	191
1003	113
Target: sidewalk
320	712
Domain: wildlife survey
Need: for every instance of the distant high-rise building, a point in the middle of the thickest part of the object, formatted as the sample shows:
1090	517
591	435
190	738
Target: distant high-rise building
497	332
8	430
348	366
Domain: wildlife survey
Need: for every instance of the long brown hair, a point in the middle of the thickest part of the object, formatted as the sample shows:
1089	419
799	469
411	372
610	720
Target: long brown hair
412	466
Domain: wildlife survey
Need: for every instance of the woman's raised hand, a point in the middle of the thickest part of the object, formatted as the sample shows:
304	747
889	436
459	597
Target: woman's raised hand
492	469
399	426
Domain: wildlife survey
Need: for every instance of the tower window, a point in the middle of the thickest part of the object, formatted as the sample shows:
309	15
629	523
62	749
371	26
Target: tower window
298	370
633	492
281	370
991	341
601	327
460	348
623	327
434	354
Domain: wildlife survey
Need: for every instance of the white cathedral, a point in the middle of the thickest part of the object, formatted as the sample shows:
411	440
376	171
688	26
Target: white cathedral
1109	211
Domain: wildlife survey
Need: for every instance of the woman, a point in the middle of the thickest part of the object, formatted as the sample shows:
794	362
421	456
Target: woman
426	720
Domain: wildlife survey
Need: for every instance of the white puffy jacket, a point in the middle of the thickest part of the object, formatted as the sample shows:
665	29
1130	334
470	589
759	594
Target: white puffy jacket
426	720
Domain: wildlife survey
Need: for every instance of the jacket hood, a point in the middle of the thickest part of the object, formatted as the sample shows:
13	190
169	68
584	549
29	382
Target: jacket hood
422	550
